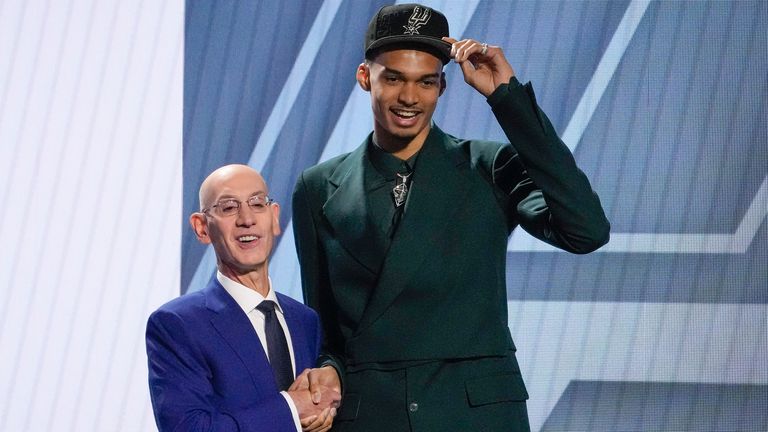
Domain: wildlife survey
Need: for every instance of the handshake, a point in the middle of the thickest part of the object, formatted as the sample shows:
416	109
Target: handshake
316	393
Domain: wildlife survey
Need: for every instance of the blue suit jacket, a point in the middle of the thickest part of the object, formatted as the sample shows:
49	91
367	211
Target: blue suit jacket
208	370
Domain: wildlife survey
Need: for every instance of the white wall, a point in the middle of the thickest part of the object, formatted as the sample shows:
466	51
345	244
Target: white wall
90	203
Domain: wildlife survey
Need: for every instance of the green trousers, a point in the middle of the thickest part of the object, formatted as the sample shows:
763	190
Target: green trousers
480	394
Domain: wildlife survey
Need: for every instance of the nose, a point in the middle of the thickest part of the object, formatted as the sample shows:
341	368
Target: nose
408	94
245	217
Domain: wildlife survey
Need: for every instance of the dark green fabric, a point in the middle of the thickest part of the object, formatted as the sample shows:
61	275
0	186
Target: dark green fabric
385	214
473	395
431	307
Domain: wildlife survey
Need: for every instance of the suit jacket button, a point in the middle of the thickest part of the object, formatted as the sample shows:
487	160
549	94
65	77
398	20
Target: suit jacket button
413	407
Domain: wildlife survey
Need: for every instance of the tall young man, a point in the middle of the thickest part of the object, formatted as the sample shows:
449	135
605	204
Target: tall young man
402	242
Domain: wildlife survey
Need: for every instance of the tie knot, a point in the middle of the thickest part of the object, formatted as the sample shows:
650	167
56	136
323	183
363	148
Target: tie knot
266	307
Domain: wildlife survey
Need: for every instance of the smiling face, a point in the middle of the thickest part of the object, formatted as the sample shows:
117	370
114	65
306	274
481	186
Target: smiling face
242	241
404	85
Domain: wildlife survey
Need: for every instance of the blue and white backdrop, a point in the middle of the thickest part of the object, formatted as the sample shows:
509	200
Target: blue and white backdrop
112	112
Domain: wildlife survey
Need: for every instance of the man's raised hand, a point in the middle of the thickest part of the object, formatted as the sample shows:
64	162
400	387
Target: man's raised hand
484	66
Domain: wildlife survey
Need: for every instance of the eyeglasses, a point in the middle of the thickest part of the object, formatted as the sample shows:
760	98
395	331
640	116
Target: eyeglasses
231	207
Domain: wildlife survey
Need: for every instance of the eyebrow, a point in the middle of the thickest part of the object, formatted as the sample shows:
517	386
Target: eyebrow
230	196
397	72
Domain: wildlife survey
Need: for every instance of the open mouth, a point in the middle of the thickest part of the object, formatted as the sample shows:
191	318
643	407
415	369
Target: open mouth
247	238
405	114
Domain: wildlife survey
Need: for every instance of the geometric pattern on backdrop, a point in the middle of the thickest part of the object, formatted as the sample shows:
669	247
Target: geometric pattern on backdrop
664	106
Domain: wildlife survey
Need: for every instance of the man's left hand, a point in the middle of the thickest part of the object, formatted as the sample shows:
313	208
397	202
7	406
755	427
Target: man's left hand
318	379
484	66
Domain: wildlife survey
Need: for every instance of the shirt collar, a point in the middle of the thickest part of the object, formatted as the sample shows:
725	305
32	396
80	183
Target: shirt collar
387	164
245	297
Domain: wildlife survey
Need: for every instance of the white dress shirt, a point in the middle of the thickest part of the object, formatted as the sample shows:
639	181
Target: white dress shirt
248	299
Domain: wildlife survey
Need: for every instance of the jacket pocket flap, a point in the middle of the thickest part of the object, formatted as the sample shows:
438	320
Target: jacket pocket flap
497	388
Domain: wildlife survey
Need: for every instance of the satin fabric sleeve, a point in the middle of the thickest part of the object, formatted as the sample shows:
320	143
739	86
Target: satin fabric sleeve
547	194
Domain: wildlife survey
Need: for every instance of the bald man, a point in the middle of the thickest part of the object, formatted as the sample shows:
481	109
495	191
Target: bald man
225	358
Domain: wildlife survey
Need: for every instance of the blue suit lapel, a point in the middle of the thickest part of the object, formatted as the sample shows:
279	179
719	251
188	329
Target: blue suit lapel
233	325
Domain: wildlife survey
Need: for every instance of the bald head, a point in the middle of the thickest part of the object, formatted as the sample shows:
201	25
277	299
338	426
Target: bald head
218	182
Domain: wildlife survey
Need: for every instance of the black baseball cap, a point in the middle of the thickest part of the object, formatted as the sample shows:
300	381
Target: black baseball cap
408	26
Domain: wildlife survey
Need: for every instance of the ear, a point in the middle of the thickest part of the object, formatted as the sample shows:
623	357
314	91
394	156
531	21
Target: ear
275	218
200	227
443	83
363	76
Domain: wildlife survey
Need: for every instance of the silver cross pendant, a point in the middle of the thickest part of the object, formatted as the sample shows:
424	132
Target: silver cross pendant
400	191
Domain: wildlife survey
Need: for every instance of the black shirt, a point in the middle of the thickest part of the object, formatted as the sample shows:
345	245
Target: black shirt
382	201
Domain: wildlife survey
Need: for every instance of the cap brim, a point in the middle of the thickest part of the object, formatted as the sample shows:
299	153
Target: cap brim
432	45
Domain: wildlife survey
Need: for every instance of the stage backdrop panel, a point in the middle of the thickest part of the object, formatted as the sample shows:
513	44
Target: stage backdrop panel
664	104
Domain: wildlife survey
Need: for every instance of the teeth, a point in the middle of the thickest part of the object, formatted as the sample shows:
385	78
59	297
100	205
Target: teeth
407	114
247	238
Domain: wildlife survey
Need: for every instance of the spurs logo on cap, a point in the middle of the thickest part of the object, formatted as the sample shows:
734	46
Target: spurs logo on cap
408	26
418	18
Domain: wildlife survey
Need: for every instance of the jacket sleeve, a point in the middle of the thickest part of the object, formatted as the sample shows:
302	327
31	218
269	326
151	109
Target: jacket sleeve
549	196
181	389
314	278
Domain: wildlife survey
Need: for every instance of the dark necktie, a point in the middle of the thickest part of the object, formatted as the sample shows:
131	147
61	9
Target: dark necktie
277	347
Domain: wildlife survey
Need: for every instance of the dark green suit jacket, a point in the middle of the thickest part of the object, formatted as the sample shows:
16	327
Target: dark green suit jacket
422	330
